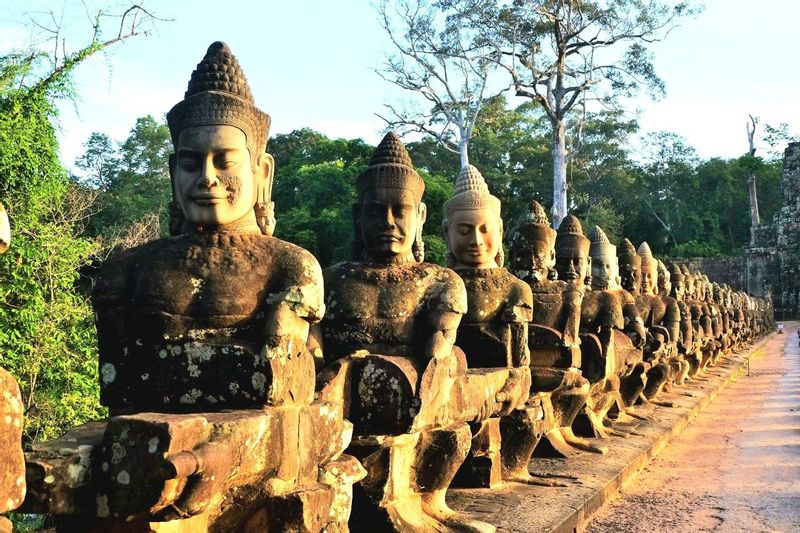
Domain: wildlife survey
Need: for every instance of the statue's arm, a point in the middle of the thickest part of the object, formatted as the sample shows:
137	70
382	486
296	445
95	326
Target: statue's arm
517	314
447	303
672	320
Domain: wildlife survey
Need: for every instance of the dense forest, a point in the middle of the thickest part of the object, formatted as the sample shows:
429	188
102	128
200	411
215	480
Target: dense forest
649	187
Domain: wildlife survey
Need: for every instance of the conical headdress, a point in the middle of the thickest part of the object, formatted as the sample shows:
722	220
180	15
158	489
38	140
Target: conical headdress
600	244
471	192
570	234
391	167
676	272
662	269
533	226
646	255
627	254
218	94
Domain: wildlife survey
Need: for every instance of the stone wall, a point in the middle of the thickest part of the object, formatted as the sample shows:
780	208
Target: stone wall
773	260
730	270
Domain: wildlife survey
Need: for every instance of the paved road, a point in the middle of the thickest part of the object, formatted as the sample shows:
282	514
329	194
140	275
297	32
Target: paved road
735	468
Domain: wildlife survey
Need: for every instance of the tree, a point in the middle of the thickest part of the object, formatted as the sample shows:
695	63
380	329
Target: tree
437	59
751	178
566	55
47	336
132	180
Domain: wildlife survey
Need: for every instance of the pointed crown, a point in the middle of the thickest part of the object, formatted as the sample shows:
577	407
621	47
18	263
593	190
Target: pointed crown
646	255
218	94
600	243
627	254
533	226
390	167
471	192
676	272
662	268
570	234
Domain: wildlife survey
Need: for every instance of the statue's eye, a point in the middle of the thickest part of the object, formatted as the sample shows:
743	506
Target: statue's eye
188	164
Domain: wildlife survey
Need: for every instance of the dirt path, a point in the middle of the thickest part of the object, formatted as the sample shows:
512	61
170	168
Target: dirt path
735	468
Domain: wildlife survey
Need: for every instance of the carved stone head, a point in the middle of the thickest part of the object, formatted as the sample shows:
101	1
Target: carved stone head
630	267
221	174
532	246
605	266
389	214
472	225
688	280
5	230
572	251
649	270
664	279
678	282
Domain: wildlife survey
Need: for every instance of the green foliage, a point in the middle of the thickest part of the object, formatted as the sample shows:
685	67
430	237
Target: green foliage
314	191
132	179
47	338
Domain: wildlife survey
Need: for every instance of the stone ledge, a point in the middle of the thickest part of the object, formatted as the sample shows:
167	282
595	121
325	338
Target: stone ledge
591	480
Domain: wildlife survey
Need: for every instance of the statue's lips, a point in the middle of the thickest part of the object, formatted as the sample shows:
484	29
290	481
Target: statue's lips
570	276
388	237
209	199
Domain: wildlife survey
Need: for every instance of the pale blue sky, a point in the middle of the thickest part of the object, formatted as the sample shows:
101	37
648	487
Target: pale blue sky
311	63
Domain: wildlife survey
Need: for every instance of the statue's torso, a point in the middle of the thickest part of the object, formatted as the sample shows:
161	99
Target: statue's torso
496	299
549	308
182	320
384	309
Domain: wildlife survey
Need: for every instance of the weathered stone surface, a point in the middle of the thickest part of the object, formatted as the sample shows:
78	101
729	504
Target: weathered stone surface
203	354
773	259
12	463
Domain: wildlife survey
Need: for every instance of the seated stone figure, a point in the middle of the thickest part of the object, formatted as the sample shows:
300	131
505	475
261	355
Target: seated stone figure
553	333
203	348
493	333
680	367
12	463
389	331
701	322
688	345
661	318
609	317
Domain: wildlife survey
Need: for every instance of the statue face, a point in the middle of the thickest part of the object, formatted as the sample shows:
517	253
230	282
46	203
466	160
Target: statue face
5	230
664	282
605	271
474	237
678	289
630	276
213	176
689	283
534	262
649	278
572	264
389	220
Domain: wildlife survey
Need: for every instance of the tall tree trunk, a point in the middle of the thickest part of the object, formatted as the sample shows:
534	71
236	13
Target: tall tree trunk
559	210
755	218
463	153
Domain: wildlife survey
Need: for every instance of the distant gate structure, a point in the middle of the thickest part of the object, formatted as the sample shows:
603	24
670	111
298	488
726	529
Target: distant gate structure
773	259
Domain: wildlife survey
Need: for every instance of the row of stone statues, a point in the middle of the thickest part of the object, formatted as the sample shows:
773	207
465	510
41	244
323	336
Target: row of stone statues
251	391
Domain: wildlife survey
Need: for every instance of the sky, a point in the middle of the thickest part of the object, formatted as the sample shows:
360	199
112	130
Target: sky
311	63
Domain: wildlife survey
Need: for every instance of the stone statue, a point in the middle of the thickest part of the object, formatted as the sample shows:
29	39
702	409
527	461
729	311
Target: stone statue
12	462
680	367
700	323
687	346
630	267
609	317
554	333
661	318
388	333
212	322
494	331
